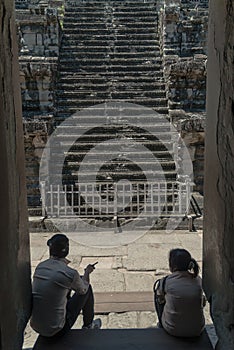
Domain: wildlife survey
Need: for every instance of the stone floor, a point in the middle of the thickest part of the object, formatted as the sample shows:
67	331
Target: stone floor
124	268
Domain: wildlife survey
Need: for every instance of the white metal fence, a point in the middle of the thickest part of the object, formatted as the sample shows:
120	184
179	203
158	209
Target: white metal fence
122	198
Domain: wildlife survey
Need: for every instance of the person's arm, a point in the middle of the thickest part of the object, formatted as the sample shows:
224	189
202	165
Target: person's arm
203	300
81	284
87	271
203	294
161	290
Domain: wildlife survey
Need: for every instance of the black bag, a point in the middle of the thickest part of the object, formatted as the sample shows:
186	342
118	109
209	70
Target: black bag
159	300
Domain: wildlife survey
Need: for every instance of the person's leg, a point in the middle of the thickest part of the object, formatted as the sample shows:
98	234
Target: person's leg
75	304
88	309
159	300
80	302
159	310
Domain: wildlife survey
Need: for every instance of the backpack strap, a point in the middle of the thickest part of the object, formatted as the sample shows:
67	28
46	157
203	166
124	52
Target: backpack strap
157	284
164	283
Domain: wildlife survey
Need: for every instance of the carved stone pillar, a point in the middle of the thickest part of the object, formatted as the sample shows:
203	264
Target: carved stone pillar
15	288
219	173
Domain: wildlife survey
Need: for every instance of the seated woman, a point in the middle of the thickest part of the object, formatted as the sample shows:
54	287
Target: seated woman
182	314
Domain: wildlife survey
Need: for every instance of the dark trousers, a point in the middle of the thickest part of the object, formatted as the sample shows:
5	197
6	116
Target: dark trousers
75	304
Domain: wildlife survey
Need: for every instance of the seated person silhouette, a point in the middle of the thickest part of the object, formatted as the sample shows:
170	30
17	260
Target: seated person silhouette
55	309
179	297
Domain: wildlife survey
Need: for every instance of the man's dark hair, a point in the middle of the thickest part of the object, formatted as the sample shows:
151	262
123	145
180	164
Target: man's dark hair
59	245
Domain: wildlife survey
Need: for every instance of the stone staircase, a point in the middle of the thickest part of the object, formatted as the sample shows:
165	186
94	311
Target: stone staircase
111	87
110	51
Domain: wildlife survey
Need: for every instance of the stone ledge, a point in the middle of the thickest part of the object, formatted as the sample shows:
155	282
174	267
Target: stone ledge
124	302
116	339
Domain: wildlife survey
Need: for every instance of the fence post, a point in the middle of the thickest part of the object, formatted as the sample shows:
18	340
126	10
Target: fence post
43	198
188	193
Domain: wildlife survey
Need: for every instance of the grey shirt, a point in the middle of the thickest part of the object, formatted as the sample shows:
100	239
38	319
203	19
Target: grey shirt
52	281
183	311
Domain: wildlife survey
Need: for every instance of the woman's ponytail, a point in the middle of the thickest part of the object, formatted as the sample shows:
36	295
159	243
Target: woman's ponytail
193	265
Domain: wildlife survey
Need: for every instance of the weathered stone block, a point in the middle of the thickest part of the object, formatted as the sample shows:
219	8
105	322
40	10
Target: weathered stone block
30	39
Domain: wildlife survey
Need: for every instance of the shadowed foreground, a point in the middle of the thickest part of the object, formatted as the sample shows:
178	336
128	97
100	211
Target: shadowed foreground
123	339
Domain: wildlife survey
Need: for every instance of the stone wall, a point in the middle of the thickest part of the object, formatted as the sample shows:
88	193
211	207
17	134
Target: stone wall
15	288
183	26
191	127
219	173
39	26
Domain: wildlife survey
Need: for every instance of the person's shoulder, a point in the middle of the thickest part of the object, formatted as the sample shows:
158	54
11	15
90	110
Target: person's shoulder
71	269
43	263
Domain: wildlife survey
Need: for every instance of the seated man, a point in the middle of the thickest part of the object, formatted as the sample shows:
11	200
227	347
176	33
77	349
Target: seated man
55	310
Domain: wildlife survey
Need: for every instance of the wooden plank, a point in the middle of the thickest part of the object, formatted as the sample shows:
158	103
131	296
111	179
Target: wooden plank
123	302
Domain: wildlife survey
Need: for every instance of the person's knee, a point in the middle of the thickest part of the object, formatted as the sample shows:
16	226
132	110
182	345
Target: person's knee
90	289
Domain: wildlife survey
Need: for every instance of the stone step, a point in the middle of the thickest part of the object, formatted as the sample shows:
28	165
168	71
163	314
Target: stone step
81	48
89	122
116	30
96	79
78	223
95	3
126	16
107	56
101	131
114	92
155	68
113	162
128	61
161	154
116	114
114	167
105	41
112	22
110	5
150	144
108	53
95	24
66	89
102	176
116	74
62	112
122	339
92	109
65	112
98	105
40	224
126	147
99	98
111	10
137	131
72	34
75	163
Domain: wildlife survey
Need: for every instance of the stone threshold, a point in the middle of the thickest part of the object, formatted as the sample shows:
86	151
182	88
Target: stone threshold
123	302
123	339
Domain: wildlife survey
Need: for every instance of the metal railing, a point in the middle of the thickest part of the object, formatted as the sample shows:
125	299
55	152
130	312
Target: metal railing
124	199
